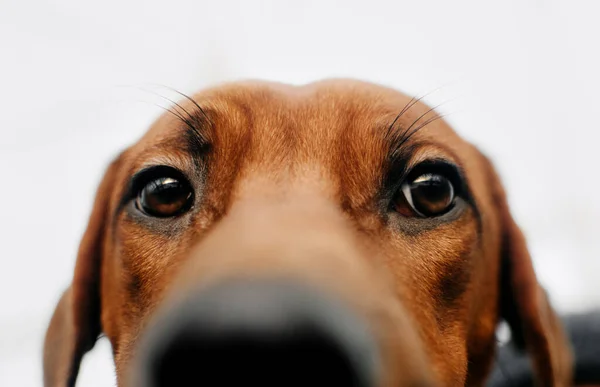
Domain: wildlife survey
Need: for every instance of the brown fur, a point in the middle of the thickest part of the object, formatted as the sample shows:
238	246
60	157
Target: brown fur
291	186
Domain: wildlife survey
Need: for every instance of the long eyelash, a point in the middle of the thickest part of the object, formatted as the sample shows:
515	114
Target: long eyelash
407	136
419	118
190	119
399	141
406	107
410	104
197	106
175	113
193	101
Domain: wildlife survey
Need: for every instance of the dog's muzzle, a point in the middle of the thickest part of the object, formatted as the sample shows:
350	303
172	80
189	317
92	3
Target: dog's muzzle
267	333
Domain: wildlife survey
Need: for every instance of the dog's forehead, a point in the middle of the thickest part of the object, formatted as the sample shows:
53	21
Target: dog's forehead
330	106
335	128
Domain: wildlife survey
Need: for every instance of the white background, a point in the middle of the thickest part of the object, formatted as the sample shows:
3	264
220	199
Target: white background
519	78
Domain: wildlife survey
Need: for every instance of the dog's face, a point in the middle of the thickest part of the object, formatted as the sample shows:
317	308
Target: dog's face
349	192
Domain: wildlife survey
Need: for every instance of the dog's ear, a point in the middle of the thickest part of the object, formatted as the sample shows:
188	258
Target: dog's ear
75	324
524	304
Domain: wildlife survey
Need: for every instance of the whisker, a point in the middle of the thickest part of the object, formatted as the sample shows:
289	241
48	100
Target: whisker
190	116
183	114
418	119
408	133
191	100
174	113
409	105
180	117
424	124
406	136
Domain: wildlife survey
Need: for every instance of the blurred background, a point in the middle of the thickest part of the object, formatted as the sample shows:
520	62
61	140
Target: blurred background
519	78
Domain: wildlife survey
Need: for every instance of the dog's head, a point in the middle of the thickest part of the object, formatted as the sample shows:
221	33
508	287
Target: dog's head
337	232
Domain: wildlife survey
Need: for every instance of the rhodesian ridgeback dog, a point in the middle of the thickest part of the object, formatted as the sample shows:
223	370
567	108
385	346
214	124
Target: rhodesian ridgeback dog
338	233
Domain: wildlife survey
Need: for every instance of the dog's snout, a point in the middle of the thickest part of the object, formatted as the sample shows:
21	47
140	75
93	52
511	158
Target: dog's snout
264	333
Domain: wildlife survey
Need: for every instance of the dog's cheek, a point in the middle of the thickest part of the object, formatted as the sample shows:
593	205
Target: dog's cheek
141	268
138	272
146	262
434	272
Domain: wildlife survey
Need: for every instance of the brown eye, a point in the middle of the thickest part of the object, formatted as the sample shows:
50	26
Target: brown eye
428	195
165	197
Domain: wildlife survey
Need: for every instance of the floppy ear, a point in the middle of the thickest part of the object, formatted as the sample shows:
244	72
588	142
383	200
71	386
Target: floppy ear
524	303
75	324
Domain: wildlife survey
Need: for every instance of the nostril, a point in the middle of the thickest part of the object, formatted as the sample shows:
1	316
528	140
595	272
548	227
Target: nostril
263	333
303	358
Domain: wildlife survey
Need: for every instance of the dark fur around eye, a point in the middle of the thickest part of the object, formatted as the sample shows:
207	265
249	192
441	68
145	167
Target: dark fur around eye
399	173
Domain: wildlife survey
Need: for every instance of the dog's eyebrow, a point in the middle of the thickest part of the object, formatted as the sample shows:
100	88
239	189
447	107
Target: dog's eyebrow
195	142
193	137
196	121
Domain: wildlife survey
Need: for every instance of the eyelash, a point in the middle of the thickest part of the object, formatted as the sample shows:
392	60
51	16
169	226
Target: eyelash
449	170
400	174
147	175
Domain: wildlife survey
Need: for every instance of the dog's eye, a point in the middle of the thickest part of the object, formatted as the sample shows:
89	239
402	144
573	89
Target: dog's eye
164	197
427	195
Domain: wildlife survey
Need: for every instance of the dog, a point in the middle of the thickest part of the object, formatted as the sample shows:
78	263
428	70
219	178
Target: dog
335	233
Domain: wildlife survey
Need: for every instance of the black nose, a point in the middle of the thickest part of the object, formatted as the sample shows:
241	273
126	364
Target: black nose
259	333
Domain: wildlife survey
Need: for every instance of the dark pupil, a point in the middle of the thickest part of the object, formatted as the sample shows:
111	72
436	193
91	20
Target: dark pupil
431	194
164	197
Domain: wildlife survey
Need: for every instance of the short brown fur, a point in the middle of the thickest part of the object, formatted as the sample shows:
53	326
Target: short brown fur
290	184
